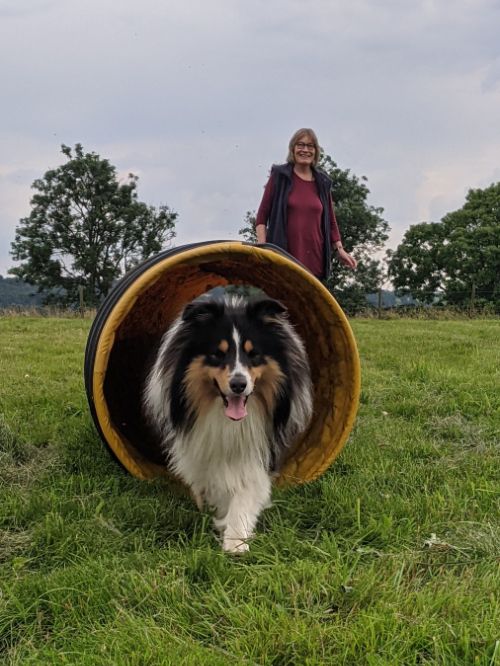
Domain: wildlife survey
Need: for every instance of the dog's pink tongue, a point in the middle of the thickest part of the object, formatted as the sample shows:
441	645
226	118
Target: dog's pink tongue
236	408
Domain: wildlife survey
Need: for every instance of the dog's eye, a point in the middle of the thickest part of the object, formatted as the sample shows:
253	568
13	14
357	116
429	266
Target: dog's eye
217	356
255	357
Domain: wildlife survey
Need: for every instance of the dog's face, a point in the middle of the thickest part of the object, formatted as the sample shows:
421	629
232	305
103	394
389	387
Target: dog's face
234	354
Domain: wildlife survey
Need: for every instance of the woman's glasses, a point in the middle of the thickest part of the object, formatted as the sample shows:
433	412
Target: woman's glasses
301	145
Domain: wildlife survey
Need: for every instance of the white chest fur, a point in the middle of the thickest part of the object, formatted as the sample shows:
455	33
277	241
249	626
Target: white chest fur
222	456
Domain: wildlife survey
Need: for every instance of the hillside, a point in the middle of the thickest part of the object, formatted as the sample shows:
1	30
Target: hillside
16	292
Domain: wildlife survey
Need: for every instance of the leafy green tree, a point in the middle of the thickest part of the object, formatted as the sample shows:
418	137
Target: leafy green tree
248	231
457	258
415	266
363	231
86	229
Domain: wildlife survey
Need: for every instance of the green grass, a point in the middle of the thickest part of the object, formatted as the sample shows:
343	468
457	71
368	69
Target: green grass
392	557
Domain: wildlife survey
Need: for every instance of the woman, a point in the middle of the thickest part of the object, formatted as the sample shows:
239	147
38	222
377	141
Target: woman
296	212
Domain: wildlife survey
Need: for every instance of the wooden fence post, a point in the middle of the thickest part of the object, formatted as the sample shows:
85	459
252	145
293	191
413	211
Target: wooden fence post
472	299
81	289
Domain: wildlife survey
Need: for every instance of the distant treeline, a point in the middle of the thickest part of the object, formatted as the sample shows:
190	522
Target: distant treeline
16	292
388	299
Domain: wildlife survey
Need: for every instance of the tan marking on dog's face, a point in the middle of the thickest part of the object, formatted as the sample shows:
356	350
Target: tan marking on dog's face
224	346
256	373
268	380
201	390
221	376
248	346
199	382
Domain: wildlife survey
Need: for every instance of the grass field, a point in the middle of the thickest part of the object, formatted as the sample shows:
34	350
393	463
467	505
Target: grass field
392	557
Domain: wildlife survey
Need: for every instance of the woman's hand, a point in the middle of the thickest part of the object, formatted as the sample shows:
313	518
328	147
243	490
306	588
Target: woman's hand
346	259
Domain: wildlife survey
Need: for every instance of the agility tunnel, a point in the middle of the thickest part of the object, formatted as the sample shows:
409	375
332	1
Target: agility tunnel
140	308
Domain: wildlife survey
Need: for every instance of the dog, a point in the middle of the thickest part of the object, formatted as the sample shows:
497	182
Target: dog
227	393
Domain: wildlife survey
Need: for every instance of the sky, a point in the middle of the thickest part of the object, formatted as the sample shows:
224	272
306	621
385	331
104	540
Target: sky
199	98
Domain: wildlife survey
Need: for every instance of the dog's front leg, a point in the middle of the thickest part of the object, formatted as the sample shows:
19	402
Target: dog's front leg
245	506
239	529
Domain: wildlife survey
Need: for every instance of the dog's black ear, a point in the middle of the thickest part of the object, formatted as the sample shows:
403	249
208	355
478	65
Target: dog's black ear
202	311
266	307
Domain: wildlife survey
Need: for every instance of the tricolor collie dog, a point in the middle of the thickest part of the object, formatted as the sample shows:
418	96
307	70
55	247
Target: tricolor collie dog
228	392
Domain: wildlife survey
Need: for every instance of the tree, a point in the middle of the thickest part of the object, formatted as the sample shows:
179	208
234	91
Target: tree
458	258
363	231
248	231
415	266
86	229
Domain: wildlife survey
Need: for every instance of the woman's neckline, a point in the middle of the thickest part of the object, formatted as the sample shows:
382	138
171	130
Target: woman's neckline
306	180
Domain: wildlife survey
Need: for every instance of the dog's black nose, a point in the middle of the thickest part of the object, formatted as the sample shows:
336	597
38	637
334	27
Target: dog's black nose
238	384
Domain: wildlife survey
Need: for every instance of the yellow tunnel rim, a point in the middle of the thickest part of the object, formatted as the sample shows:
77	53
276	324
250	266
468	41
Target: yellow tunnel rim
134	284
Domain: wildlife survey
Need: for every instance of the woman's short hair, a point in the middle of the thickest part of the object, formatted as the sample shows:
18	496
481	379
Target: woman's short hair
295	139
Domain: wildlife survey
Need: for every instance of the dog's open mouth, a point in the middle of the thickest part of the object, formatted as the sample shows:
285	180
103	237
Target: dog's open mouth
235	406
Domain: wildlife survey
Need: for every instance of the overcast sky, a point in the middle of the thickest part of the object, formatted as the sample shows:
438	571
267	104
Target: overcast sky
200	97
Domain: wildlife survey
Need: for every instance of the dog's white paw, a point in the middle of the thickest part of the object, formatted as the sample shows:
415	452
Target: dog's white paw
235	546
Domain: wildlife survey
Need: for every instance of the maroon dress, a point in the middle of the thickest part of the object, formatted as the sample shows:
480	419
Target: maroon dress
304	233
